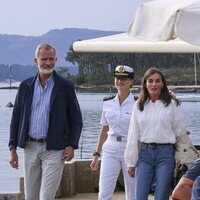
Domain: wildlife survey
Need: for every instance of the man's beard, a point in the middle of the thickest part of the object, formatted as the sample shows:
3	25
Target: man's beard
45	70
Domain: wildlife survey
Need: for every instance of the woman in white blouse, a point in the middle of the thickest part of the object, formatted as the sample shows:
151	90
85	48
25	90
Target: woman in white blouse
155	124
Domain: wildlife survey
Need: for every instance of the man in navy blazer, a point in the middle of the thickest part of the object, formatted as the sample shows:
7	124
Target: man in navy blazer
47	123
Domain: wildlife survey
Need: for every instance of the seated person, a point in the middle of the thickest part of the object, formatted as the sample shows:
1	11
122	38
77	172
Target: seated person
196	189
183	190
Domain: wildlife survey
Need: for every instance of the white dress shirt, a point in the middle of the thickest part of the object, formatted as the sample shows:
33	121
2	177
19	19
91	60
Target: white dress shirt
156	123
117	116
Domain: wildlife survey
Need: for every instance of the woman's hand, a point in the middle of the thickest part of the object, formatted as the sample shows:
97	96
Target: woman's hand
131	171
95	164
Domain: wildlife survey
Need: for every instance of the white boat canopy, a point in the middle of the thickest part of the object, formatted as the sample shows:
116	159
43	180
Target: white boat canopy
159	26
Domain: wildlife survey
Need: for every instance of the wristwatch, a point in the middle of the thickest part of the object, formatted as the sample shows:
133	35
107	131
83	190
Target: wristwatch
96	154
12	147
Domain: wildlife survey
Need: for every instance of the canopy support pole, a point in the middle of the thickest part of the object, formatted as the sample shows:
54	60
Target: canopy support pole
195	69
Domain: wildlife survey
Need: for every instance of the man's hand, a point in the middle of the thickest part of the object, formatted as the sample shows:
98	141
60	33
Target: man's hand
68	154
14	159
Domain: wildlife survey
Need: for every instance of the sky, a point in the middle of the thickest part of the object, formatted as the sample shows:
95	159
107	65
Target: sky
37	17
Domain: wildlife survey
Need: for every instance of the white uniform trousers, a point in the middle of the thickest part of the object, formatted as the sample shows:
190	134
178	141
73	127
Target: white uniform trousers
111	164
43	171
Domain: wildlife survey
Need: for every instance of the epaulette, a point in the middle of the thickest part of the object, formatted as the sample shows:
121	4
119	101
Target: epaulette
109	97
135	98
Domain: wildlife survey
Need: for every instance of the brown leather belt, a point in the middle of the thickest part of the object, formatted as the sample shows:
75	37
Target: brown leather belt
156	144
40	140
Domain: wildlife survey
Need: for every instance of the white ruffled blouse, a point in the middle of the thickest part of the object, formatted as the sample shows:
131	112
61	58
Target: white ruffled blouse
156	123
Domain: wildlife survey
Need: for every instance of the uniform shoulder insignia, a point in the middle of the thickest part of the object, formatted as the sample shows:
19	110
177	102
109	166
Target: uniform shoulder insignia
135	98
109	97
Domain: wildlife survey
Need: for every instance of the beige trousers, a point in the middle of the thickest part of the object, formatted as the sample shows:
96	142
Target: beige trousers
43	171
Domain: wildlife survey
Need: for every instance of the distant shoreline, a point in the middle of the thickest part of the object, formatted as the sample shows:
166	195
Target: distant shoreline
135	88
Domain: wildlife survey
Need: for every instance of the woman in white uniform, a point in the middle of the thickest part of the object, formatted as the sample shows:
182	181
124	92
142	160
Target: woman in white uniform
113	136
155	124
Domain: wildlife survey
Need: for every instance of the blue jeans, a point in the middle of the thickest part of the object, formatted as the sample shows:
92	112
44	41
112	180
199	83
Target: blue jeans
156	163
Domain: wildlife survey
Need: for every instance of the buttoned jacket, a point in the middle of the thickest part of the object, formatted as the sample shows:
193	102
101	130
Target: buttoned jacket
65	119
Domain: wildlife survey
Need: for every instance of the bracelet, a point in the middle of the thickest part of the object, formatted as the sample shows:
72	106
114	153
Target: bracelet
96	154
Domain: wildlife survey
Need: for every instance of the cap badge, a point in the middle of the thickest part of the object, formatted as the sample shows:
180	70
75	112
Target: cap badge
121	69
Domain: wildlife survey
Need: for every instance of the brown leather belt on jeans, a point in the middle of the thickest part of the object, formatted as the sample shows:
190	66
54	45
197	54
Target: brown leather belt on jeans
40	140
156	144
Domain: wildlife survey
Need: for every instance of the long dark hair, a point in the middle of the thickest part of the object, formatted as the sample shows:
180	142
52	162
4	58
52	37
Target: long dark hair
165	95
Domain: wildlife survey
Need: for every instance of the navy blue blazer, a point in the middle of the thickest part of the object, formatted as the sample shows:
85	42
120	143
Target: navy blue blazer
65	120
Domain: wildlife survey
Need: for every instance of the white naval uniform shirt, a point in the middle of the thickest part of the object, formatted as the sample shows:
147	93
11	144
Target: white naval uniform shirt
117	116
156	123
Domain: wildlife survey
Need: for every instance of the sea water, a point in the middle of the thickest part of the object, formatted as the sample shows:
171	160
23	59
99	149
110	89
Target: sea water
91	107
